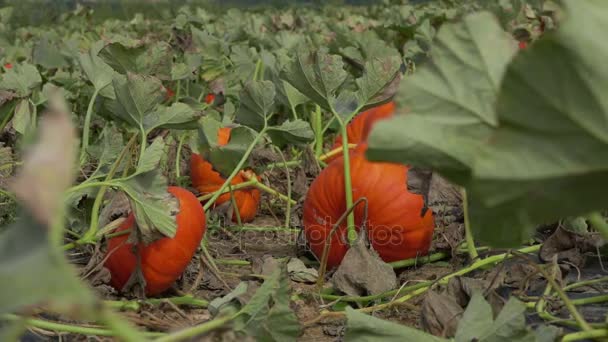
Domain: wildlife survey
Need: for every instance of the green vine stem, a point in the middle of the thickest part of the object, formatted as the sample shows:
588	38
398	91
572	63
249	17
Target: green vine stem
90	235
135	305
264	187
480	263
69	328
87	126
289	163
585	283
562	295
122	328
197	330
317	124
420	261
468	233
290	201
235	207
598	222
178	154
351	232
585	335
177	91
239	186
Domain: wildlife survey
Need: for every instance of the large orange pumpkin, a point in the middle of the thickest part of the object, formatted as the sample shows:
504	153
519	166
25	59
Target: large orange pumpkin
398	225
361	125
206	180
165	259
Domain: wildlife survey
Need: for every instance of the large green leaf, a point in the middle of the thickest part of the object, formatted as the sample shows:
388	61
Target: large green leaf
155	209
295	132
178	115
156	59
317	75
451	100
97	71
549	157
257	102
23	119
138	96
364	328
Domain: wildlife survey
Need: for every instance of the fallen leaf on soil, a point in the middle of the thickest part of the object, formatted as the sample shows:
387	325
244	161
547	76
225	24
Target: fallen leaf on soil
362	272
440	314
298	272
568	247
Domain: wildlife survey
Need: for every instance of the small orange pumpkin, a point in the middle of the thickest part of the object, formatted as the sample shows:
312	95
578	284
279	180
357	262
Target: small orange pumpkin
206	180
399	226
165	259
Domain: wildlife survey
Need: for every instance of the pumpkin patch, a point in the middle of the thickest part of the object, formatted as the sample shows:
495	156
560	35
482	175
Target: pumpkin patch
162	261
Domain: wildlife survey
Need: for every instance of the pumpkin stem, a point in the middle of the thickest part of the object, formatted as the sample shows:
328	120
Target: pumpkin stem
468	234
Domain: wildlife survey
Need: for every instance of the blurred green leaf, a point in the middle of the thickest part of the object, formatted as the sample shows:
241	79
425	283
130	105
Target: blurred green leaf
21	79
48	55
23	119
28	261
451	102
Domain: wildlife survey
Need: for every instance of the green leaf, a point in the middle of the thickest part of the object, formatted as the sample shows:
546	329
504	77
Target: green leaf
226	158
521	178
27	259
477	323
364	328
21	79
451	100
155	60
48	55
23	120
178	115
267	316
151	156
294	97
296	132
155	209
379	75
97	71
138	95
318	75
257	102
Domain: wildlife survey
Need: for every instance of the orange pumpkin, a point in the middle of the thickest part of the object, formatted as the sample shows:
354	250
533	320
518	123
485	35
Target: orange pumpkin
165	259
398	225
206	180
361	125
